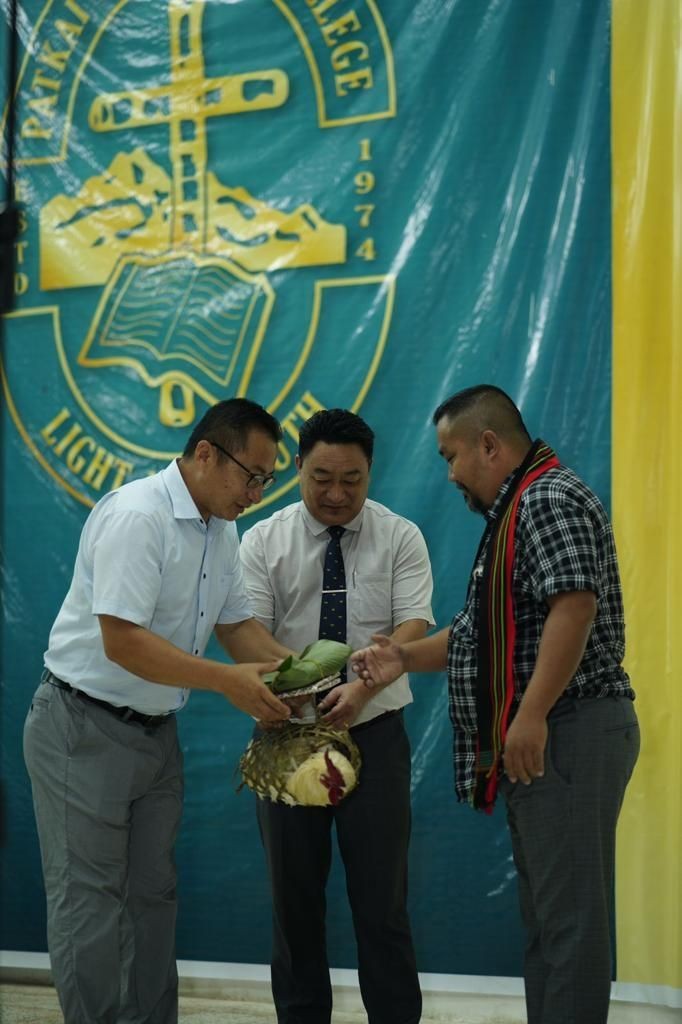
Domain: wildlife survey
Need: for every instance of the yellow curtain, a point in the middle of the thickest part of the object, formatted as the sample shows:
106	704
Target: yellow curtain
646	105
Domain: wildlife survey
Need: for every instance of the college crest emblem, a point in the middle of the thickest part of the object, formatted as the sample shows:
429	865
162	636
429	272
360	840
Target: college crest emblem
199	198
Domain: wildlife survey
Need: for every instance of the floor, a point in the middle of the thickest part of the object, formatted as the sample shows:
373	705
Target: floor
37	1004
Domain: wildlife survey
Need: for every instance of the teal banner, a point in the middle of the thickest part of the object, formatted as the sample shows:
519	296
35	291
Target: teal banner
313	203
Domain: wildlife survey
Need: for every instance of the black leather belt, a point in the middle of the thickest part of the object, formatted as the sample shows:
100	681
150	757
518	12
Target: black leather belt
125	714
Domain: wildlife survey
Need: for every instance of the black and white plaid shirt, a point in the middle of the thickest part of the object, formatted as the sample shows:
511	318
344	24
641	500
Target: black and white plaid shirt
563	542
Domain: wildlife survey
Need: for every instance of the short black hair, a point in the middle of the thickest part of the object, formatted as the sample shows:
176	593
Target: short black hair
230	422
487	407
335	426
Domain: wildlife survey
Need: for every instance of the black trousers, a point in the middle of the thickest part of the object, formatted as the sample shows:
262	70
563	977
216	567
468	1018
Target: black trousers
373	830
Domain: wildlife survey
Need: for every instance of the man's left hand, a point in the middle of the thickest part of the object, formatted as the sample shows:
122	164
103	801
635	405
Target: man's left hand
524	748
343	704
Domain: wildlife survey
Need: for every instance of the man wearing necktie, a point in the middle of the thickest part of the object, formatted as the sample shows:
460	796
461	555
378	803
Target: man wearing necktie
340	566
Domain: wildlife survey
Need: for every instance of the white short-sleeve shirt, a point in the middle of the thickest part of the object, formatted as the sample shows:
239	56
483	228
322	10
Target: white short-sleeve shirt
147	556
388	576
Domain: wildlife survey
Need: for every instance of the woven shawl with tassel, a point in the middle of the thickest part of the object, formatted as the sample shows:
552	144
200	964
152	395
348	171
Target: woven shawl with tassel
497	629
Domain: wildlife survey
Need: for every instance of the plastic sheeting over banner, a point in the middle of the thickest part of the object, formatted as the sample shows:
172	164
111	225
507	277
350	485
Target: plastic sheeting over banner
312	203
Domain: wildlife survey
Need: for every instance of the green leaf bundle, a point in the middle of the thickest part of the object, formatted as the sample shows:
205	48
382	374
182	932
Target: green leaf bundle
320	659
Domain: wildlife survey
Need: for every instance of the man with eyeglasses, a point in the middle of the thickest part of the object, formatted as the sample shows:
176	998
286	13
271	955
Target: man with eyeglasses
157	571
381	572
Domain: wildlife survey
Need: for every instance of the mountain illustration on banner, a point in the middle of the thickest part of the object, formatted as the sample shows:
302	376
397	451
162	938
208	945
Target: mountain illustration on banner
127	210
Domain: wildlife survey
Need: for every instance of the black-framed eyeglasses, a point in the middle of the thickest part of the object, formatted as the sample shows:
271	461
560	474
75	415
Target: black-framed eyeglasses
263	480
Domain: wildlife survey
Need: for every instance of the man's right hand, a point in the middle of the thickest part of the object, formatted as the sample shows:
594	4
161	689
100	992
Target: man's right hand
247	691
380	664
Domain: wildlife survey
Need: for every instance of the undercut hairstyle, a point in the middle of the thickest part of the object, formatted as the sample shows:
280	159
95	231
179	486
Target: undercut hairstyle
229	424
484	407
335	426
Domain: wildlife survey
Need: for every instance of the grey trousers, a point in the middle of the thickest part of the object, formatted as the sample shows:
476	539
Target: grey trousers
108	798
563	829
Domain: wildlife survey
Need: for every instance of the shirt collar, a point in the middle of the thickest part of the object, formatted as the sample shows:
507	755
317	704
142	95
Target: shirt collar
317	528
494	511
181	500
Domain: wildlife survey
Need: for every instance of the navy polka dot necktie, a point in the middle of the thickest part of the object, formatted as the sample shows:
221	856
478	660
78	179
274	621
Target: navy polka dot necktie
333	607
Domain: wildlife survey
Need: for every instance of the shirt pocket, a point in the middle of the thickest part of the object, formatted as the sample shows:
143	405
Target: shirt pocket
370	602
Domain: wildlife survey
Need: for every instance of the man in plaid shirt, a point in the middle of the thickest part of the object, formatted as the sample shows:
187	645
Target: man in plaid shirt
541	706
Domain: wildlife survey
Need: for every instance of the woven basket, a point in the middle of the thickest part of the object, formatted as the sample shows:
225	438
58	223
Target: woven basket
269	761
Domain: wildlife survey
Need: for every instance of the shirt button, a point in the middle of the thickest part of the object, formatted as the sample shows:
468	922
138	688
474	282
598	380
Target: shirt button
204	576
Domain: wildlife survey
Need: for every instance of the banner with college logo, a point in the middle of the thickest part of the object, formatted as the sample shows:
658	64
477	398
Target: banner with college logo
203	215
312	203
